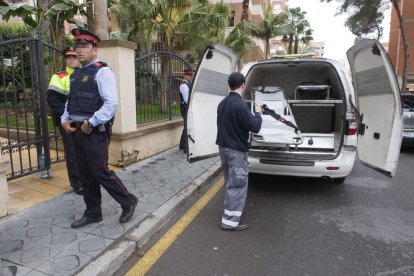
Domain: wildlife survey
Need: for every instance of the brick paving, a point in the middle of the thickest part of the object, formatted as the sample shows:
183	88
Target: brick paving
39	240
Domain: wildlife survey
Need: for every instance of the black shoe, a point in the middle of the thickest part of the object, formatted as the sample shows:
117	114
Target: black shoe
240	227
128	212
78	190
83	221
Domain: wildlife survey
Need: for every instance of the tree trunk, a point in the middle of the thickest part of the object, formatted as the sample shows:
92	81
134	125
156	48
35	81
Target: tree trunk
405	46
101	18
245	12
44	24
290	44
89	10
296	46
267	48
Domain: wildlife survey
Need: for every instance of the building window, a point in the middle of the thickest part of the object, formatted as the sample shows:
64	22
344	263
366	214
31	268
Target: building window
231	18
277	8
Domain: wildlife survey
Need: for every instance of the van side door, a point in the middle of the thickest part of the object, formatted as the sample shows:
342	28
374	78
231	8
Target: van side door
378	102
209	88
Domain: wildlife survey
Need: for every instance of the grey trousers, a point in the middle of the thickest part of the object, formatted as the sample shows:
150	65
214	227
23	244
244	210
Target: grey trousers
235	170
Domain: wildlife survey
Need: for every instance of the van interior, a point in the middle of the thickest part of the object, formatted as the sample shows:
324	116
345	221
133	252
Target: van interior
314	101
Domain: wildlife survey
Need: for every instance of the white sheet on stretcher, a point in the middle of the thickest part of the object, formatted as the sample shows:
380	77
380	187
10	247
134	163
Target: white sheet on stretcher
272	130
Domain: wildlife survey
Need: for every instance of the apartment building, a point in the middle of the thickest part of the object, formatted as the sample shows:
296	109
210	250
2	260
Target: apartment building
395	48
254	14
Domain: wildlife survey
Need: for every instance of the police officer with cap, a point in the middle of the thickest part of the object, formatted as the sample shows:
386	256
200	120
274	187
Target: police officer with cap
185	89
90	109
57	95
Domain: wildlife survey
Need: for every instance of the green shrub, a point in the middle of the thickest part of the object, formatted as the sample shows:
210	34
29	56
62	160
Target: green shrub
12	30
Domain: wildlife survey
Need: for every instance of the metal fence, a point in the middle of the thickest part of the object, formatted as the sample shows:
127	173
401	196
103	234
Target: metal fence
28	139
158	78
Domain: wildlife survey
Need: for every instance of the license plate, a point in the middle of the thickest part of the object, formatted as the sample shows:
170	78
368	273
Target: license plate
408	134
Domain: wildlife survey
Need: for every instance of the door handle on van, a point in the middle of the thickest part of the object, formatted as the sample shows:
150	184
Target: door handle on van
191	138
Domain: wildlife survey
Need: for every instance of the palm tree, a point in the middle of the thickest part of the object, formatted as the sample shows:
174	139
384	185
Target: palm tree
245	12
240	41
306	49
89	11
296	29
100	16
187	24
46	19
129	14
268	28
201	25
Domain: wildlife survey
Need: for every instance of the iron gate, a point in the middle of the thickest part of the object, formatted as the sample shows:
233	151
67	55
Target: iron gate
158	77
26	132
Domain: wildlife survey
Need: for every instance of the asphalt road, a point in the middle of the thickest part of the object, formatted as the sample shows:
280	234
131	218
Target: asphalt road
306	227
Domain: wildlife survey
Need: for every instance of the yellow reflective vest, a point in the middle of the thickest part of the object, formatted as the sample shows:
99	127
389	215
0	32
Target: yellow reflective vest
60	82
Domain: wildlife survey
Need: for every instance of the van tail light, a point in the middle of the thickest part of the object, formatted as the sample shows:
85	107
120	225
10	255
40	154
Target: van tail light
352	127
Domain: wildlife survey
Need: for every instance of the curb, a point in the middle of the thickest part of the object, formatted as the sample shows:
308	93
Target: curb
112	259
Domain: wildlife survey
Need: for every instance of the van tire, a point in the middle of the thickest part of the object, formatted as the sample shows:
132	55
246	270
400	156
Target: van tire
339	180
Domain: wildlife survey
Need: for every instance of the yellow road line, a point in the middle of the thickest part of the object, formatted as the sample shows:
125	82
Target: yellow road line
150	258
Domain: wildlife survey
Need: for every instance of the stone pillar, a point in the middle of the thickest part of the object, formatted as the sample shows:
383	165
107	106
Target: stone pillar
4	191
120	56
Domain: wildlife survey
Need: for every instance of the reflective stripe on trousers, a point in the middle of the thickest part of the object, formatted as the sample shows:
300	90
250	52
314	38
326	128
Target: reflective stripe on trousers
235	171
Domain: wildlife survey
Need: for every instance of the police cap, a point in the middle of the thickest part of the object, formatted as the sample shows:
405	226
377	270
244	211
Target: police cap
84	37
189	72
69	51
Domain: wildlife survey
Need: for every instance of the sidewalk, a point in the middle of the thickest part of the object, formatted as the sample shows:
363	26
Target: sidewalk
39	240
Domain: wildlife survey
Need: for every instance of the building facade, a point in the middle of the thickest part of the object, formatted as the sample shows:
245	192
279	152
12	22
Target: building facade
396	47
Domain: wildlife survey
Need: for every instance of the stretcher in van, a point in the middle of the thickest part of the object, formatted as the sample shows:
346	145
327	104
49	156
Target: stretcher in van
274	131
311	110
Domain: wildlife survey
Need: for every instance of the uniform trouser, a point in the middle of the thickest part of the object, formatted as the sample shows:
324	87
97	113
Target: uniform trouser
235	171
183	140
71	165
91	153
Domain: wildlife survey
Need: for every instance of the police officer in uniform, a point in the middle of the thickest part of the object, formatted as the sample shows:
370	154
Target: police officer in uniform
185	89
57	95
91	106
234	122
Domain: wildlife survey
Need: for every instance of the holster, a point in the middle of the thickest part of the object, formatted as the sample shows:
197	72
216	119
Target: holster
108	126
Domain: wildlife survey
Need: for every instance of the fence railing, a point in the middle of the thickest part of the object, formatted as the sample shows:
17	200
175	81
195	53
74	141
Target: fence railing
158	78
26	132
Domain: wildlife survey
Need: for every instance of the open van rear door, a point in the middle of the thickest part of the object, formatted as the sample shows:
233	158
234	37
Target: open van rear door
378	101
209	88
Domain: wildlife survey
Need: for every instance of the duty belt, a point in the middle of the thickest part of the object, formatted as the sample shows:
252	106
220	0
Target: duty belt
99	128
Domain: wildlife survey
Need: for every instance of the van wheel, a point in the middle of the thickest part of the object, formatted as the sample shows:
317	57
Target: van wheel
339	180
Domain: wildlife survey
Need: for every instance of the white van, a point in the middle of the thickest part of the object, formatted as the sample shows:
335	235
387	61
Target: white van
334	120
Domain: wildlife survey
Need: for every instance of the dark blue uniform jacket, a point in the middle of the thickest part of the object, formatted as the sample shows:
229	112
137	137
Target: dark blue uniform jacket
234	121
